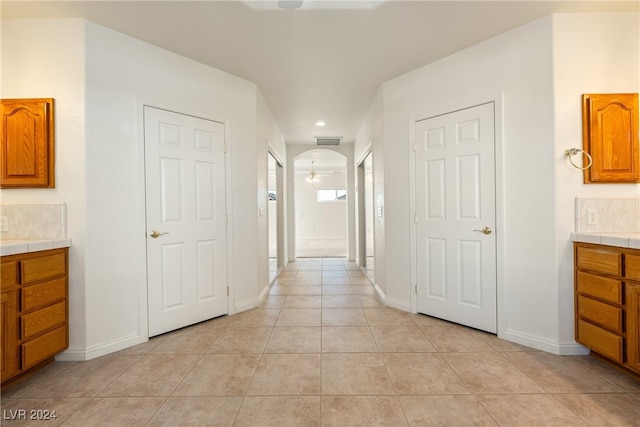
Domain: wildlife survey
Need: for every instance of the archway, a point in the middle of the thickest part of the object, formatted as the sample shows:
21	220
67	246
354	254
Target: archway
320	197
296	151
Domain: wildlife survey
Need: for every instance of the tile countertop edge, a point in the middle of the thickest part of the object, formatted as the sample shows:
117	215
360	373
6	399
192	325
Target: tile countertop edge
15	247
622	240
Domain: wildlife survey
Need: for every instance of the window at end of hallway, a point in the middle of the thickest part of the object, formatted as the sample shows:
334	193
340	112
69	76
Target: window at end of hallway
331	195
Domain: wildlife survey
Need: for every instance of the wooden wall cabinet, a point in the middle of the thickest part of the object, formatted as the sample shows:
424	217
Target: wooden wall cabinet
607	302
610	136
27	152
34	310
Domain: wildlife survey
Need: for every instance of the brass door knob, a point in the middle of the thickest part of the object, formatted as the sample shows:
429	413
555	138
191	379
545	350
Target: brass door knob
155	234
485	230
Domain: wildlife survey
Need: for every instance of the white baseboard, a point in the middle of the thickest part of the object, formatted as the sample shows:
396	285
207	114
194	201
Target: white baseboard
573	349
82	354
263	294
246	305
390	302
539	343
398	304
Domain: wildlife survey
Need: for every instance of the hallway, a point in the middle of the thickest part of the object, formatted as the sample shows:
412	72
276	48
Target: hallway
322	350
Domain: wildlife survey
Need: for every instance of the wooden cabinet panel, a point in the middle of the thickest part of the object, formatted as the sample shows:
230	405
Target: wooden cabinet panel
8	274
633	326
599	287
44	347
27	143
600	260
632	267
605	315
42	268
9	334
610	135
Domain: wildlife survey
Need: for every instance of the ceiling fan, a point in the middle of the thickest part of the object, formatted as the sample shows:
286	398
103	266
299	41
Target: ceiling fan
312	176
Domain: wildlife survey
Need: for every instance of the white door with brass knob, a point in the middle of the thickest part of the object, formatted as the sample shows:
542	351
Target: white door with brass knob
455	217
186	219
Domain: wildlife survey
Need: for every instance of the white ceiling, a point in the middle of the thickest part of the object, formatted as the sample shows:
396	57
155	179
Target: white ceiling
324	61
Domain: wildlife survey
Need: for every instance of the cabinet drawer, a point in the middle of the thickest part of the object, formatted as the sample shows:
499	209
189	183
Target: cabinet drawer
43	319
603	342
8	274
42	268
39	295
600	260
603	314
43	347
600	287
632	266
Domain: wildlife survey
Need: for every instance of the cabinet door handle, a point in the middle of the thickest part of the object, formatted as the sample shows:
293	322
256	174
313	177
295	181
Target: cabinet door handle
155	234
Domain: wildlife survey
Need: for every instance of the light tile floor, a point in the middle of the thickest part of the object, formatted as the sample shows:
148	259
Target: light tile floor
322	351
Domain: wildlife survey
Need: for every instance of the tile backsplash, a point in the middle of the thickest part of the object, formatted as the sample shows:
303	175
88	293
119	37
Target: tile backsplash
608	215
34	220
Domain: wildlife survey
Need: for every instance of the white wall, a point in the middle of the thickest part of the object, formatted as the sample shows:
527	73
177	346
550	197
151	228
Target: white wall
585	61
535	73
122	72
55	69
517	68
320	220
105	188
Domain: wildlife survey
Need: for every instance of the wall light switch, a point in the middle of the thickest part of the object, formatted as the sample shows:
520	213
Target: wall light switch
592	216
4	224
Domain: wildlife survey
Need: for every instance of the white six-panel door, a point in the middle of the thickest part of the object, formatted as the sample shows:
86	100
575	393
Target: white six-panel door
455	217
186	219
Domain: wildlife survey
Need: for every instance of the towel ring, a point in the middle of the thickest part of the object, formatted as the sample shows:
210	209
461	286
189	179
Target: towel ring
572	152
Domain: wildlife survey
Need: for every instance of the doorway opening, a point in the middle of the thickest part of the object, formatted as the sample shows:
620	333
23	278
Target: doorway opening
320	194
275	217
366	252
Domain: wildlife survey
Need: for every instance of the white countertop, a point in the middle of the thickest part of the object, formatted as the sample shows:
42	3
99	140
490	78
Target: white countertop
12	247
623	240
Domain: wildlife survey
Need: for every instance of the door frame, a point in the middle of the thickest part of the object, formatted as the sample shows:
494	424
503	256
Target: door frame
280	209
142	272
360	206
497	99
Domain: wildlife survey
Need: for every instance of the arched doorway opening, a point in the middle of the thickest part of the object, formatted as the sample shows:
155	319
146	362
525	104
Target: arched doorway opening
321	210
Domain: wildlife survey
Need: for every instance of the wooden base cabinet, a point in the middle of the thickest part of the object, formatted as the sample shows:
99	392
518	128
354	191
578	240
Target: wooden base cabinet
607	302
34	310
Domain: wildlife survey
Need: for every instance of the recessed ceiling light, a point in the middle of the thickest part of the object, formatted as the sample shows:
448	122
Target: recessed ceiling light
320	123
289	4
